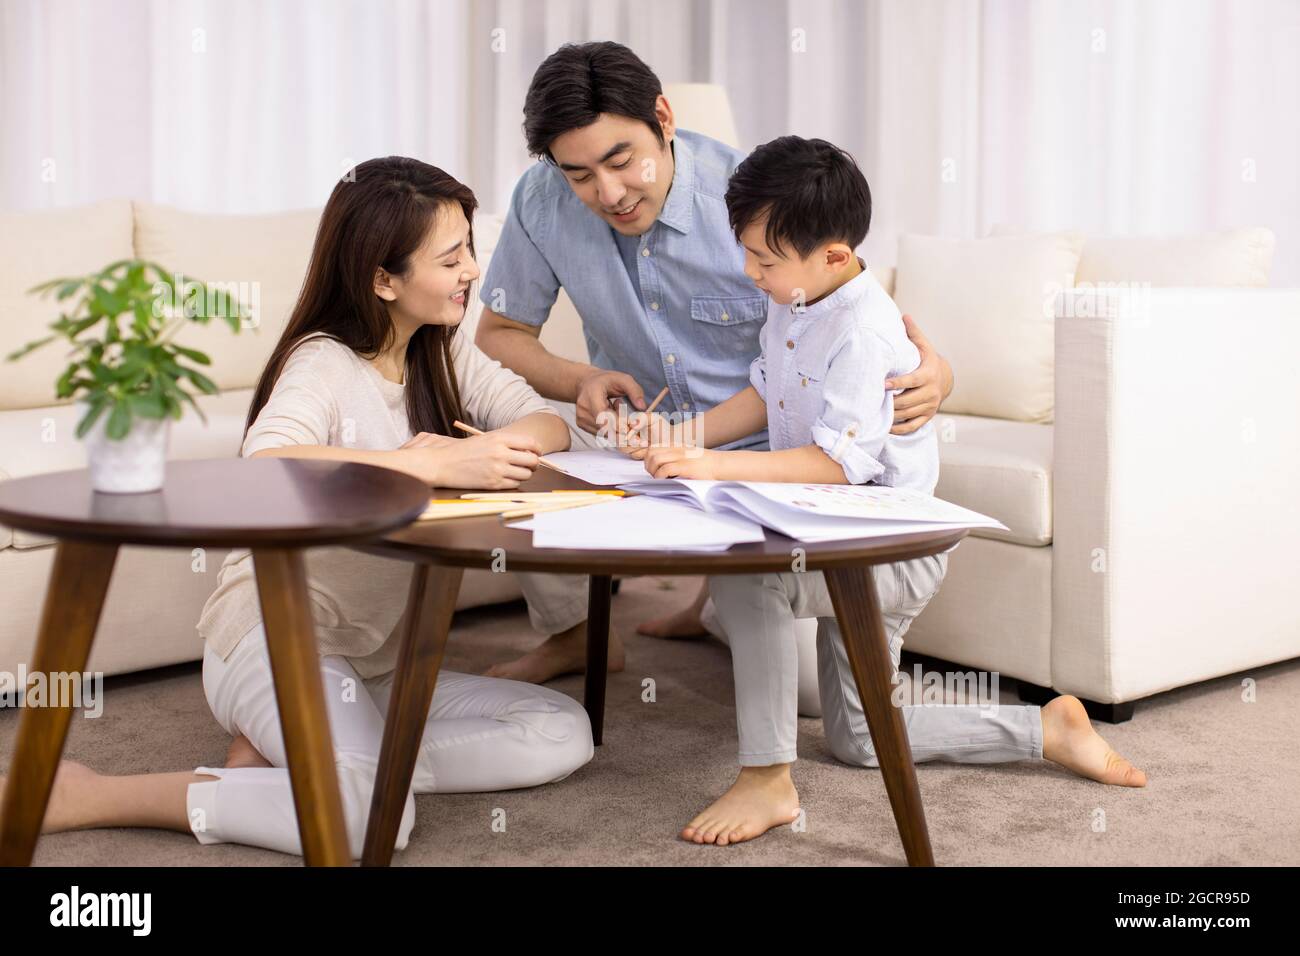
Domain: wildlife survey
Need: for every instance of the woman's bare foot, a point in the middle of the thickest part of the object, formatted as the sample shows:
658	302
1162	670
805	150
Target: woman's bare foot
242	753
1070	740
559	654
761	798
680	624
72	804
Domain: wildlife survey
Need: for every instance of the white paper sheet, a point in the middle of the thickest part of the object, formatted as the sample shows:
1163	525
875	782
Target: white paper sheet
604	467
642	523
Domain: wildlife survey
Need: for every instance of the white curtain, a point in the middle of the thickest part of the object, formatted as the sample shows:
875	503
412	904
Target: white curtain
1109	116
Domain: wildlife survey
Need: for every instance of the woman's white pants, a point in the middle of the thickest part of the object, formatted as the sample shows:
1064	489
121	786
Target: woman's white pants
482	733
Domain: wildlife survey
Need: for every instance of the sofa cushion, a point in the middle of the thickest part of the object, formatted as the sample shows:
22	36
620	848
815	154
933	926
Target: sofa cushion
999	468
34	248
262	259
1239	257
986	305
38	440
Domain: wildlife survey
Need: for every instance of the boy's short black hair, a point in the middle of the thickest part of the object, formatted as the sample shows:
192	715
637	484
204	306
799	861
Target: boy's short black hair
810	190
578	82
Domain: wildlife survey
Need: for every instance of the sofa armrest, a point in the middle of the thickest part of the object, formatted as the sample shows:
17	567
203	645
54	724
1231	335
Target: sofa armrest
1176	476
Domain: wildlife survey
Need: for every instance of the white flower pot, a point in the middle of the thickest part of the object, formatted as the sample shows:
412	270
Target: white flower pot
132	465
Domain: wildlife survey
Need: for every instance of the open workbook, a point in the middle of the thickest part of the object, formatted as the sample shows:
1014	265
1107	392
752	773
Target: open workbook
814	512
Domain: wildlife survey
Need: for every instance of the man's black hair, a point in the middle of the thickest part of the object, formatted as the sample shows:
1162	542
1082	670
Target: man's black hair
811	192
578	82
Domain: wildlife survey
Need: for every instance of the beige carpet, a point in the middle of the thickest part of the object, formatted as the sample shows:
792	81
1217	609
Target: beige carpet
1224	776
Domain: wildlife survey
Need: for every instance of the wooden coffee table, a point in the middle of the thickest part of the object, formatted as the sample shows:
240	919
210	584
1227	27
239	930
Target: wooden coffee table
441	550
274	506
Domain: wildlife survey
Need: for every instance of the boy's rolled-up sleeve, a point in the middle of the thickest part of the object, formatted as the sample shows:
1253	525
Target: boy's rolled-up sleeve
857	409
520	284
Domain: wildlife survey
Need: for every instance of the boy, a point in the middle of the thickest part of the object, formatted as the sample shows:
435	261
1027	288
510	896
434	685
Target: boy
800	207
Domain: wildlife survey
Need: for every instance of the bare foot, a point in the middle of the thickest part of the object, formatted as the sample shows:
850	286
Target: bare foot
1070	740
71	798
242	753
559	654
685	623
761	798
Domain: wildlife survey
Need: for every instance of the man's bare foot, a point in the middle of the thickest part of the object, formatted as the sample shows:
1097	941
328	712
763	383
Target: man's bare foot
685	623
71	798
1070	740
761	798
559	654
242	753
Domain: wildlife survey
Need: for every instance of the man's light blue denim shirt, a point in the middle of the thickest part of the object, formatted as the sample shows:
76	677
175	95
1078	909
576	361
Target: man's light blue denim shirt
695	325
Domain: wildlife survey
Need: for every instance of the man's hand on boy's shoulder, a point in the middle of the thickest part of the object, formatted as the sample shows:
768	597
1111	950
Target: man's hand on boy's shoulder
924	389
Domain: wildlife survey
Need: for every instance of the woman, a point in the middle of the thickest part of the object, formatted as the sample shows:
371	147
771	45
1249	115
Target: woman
369	369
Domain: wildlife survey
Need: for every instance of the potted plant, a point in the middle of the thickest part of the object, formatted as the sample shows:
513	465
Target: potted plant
129	377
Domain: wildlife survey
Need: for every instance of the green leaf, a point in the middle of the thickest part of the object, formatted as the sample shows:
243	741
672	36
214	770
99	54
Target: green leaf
201	381
194	355
29	347
119	421
92	414
149	405
197	408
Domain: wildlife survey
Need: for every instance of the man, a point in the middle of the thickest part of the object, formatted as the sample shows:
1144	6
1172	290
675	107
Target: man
626	213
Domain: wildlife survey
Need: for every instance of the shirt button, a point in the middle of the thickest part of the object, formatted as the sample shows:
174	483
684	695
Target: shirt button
851	432
654	306
645	252
725	317
686	406
789	343
804	383
672	359
781	403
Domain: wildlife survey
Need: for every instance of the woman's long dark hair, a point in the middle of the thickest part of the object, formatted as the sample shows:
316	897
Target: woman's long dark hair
377	220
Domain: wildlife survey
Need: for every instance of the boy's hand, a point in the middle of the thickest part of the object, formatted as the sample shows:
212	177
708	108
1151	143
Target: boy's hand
637	432
666	461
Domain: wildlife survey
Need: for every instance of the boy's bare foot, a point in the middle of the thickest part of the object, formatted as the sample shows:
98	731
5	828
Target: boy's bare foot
71	798
1070	740
559	654
680	624
761	798
242	753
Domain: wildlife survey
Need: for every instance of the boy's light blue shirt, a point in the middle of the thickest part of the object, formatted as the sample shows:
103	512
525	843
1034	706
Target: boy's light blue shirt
821	372
694	323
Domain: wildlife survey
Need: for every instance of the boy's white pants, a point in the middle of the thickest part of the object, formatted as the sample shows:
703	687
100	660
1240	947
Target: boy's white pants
805	631
482	733
758	613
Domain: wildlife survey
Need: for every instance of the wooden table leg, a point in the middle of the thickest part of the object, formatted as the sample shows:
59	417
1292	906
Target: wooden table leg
430	603
593	694
73	602
857	608
300	697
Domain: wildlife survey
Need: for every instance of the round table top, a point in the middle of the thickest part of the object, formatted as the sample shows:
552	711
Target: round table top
227	502
481	542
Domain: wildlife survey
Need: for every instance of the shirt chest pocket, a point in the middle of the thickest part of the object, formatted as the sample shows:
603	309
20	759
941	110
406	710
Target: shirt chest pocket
805	388
726	326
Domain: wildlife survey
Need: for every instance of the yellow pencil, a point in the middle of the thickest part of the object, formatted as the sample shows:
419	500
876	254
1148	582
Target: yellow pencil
536	495
561	506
